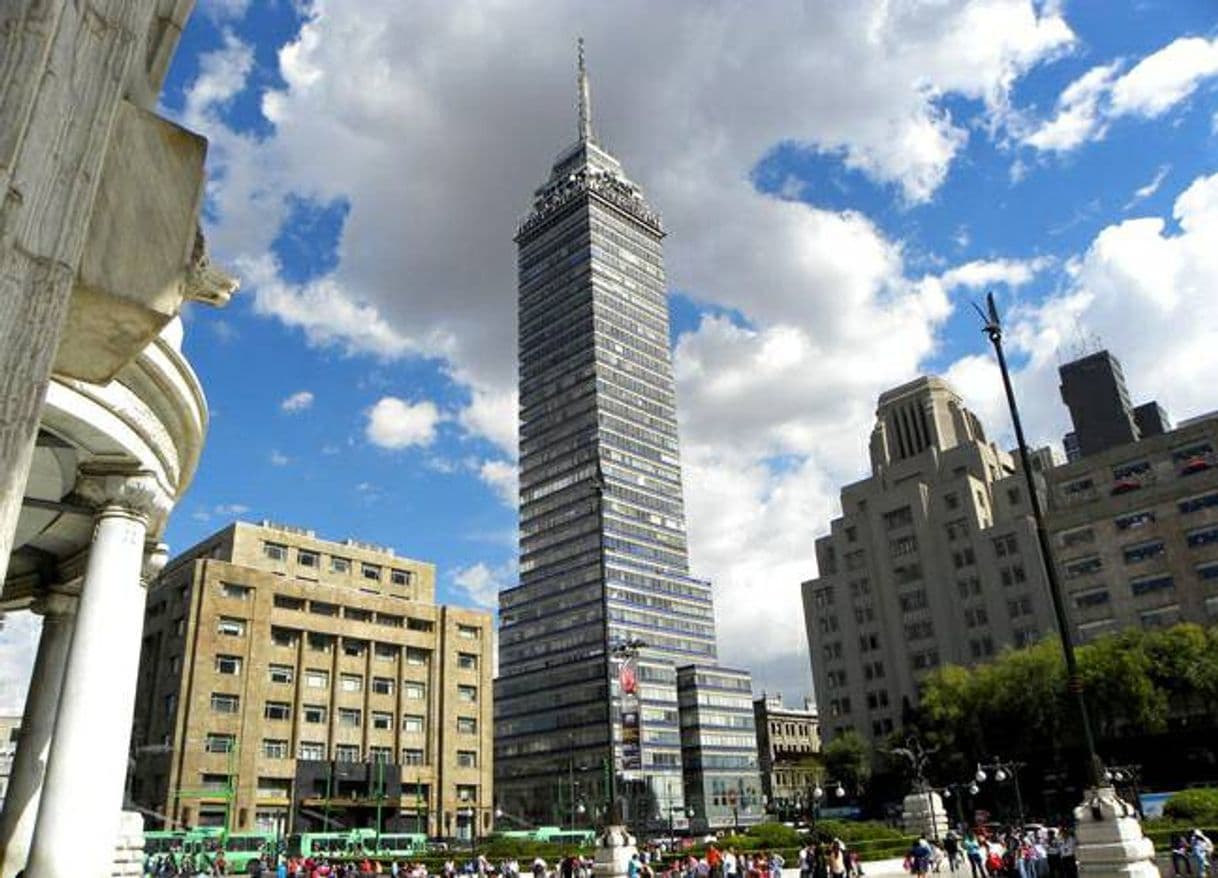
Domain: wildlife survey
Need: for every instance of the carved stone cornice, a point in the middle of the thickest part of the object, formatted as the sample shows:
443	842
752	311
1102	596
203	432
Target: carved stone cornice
205	282
55	605
156	555
135	492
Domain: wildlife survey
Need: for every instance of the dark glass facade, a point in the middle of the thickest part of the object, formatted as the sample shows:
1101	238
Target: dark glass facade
603	554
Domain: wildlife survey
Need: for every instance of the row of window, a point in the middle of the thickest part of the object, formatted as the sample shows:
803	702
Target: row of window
230	665
338	564
223	742
224	702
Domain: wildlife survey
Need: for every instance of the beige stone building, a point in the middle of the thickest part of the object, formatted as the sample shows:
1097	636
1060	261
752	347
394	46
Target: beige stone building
788	746
289	683
933	561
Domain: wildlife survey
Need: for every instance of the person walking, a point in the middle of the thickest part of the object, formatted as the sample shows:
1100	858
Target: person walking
951	847
976	860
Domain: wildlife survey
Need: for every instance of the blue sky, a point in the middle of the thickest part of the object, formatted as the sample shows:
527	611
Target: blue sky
838	182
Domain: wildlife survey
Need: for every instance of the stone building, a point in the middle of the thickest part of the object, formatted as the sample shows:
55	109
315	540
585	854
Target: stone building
934	560
10	730
788	743
288	683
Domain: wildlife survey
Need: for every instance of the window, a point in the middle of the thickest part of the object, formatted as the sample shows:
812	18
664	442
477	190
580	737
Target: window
217	743
419	624
467	793
380	754
951	501
391	619
354	647
275	787
1020	606
969	587
351	682
382	720
467	758
1077	537
287	602
467	693
1196	504
1083	567
1202	537
400	577
1144	551
277	710
386	651
1151	584
274	748
222	702
1130	470
1161	617
321	608
467	725
228	664
275	551
467	661
976	617
314	713
467	632
230	627
234	591
355	614
898	518
340	565
1134	519
315	679
964	557
306	558
349	716
320	642
913	600
411	756
1013	496
283	636
412	723
346	753
211	781
1207	571
981	647
957	529
382	685
906	545
314	750
417	657
414	690
919	630
1095	597
281	673
370	571
1006	545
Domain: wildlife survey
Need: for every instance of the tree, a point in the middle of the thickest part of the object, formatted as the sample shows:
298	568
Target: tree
846	759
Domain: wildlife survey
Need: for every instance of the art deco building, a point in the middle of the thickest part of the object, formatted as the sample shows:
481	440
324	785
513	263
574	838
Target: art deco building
603	557
933	561
290	683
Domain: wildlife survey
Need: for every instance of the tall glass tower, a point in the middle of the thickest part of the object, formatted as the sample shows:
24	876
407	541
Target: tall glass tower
603	557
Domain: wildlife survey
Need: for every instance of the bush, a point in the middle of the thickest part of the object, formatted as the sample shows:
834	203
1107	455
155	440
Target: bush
1193	806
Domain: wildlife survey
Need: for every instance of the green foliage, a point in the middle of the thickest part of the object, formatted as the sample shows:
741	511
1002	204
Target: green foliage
855	831
774	835
1134	681
1193	806
846	759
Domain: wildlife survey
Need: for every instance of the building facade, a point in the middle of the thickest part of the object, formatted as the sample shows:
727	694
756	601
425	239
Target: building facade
289	683
788	747
946	534
10	731
933	561
603	556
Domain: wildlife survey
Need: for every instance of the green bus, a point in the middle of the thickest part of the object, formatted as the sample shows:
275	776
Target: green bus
554	835
201	846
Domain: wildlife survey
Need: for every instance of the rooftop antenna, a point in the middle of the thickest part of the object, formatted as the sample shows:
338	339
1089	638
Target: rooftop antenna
585	98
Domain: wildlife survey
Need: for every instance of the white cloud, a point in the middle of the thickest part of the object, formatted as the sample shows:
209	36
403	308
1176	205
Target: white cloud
483	582
225	10
297	402
278	458
504	477
403	95
986	272
1144	192
1154	85
396	424
222	75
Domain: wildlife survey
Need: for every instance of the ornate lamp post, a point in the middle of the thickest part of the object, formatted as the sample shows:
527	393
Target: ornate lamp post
1004	769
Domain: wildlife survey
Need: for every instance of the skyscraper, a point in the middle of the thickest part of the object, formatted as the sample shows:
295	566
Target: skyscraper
603	556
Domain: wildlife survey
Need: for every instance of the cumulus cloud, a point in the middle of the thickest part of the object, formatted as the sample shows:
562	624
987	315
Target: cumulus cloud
222	76
1144	192
396	423
1154	85
297	402
403	96
278	458
483	582
504	477
986	272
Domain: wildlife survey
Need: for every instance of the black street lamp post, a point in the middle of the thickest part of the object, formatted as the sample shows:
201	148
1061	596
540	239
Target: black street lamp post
1002	770
993	329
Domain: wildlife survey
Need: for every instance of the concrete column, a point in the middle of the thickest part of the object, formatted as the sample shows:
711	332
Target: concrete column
82	795
58	611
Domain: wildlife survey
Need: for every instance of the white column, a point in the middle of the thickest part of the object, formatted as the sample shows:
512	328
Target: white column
58	611
78	817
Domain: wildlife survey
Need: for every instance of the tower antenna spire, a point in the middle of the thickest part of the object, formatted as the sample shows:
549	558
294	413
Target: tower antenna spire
585	99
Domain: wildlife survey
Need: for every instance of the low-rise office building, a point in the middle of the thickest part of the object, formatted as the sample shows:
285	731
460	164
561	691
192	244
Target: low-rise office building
788	741
289	683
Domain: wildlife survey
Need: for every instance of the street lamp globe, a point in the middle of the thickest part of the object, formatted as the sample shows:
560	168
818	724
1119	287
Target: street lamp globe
974	789
1000	775
818	794
947	793
980	775
840	791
